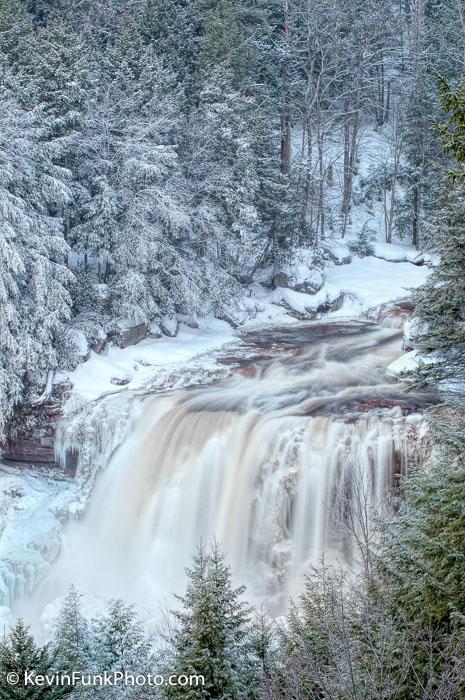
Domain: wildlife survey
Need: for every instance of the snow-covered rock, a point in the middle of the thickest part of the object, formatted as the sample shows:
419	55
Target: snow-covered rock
405	363
303	273
125	333
100	341
169	326
308	306
395	252
155	331
80	342
338	252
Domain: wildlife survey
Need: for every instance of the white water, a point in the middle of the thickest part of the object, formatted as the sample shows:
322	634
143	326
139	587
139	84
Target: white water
275	463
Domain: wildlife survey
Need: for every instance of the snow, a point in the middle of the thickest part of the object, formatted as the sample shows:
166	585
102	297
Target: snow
80	341
365	283
32	508
136	364
374	281
405	363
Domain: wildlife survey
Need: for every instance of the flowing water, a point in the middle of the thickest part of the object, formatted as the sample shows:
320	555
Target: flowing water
276	462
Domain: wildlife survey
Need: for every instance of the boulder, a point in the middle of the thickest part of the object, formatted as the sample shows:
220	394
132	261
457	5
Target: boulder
125	334
311	284
154	331
281	279
99	341
169	326
336	251
120	381
99	345
80	343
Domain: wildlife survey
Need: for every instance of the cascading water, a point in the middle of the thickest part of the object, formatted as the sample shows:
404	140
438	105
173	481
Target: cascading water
274	462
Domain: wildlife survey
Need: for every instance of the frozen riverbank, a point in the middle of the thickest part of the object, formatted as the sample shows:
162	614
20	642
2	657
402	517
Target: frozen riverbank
105	390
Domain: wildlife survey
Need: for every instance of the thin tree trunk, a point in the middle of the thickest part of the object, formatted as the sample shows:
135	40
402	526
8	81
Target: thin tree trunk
321	169
416	217
286	127
307	195
286	135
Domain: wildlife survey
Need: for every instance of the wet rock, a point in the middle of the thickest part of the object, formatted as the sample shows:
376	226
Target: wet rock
35	447
394	314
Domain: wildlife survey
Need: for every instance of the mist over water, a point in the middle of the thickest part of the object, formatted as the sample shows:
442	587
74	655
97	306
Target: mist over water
275	463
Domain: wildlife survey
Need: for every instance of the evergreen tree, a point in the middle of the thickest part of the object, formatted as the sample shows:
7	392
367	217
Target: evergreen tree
213	634
72	641
14	24
163	26
19	655
122	646
34	282
422	564
440	302
54	78
53	81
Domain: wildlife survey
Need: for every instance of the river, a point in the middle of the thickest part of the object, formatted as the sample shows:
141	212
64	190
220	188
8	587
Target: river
281	462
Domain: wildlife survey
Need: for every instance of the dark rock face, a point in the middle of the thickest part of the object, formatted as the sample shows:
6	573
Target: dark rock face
124	337
309	287
281	280
99	345
333	305
34	447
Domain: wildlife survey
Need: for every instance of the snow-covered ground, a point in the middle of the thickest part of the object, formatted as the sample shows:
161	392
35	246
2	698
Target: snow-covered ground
366	283
105	373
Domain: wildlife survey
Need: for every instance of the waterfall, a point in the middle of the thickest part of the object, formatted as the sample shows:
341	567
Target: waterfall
277	462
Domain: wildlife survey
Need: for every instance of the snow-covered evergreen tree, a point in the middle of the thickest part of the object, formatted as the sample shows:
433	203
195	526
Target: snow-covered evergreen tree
440	302
19	654
72	638
122	646
34	282
213	633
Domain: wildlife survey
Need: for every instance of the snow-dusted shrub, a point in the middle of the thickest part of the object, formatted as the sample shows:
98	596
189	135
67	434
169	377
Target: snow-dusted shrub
362	245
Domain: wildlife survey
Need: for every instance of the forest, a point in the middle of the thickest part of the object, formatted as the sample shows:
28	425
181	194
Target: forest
158	160
156	154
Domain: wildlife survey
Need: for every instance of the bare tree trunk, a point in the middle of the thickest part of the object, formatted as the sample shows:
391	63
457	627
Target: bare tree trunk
286	126
321	173
286	135
416	217
350	152
381	90
346	166
387	110
307	199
